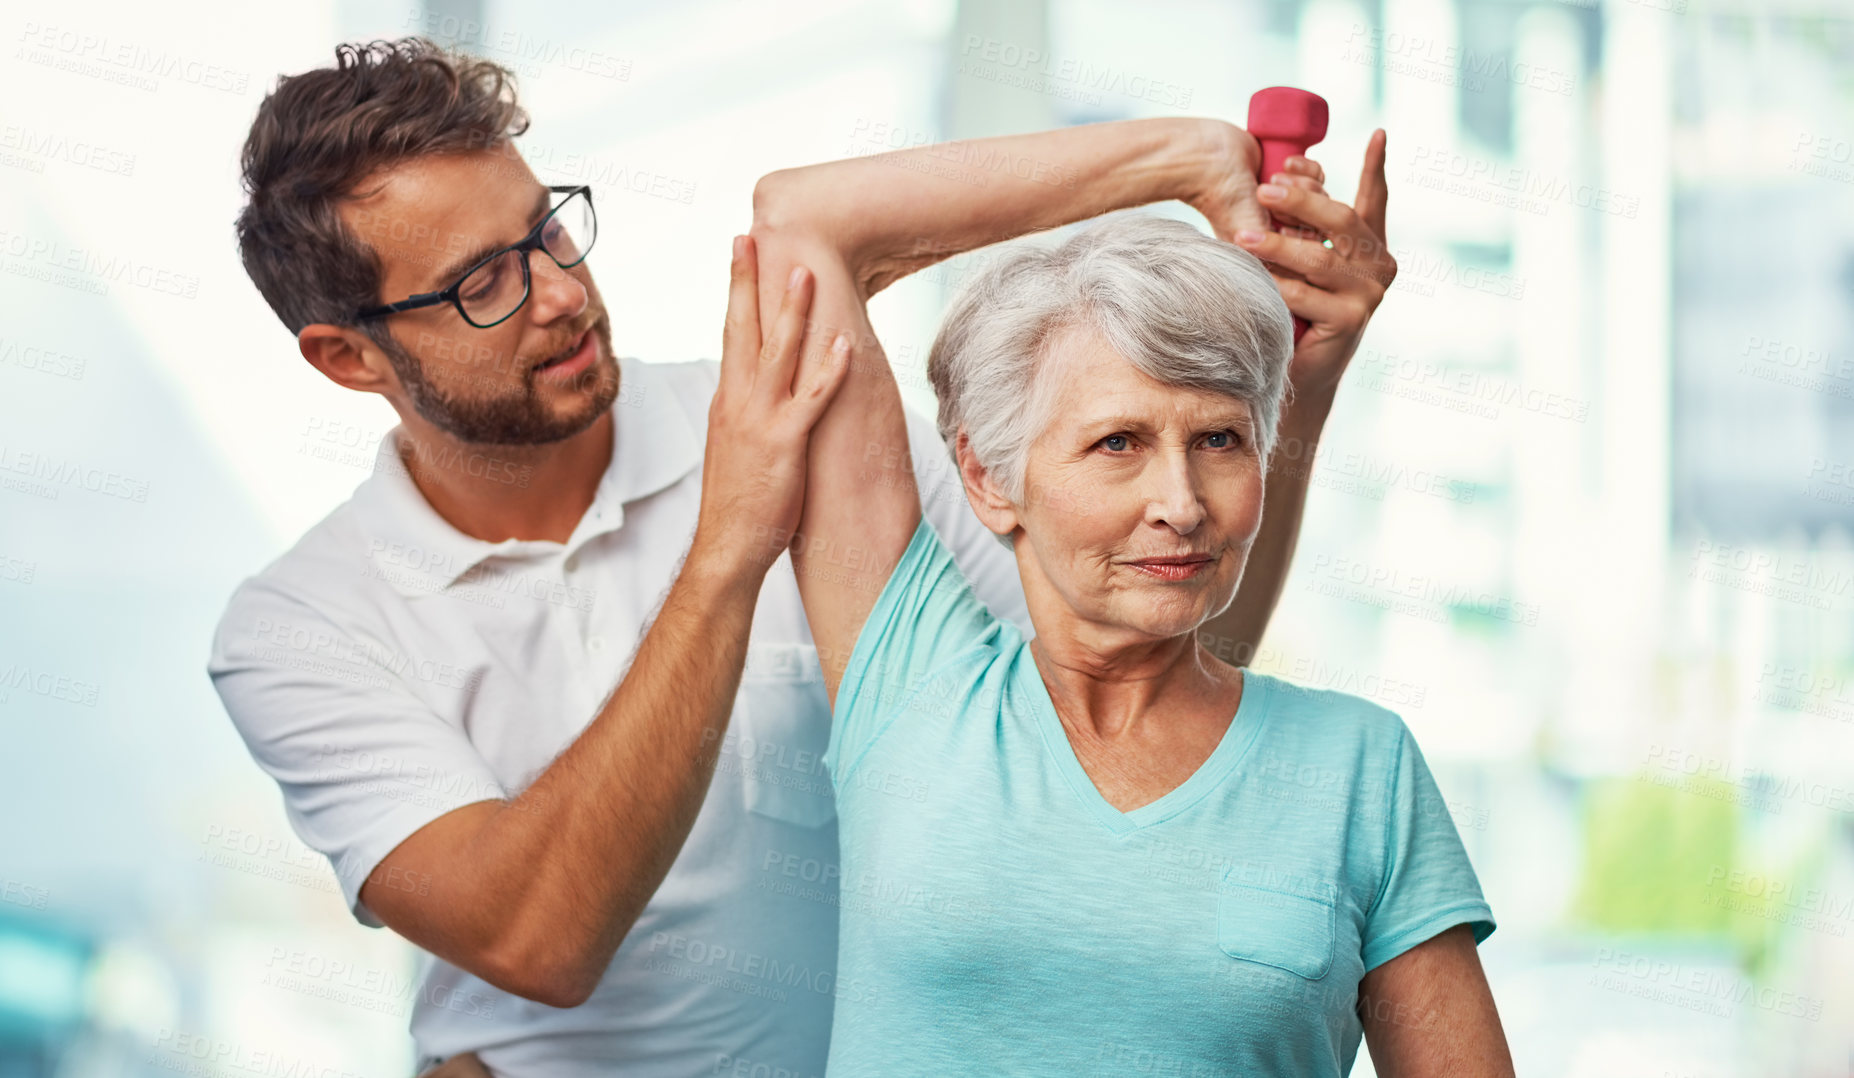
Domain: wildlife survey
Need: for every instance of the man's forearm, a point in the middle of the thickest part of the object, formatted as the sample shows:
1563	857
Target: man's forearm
545	887
1235	634
894	213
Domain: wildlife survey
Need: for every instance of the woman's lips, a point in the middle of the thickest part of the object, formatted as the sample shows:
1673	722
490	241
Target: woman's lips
573	362
1172	568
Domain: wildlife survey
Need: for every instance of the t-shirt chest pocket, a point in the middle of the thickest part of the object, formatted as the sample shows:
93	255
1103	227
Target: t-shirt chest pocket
781	729
1289	929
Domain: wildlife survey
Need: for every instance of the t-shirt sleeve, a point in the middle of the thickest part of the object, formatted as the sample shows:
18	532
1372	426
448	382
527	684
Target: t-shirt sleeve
362	762
986	560
1429	885
926	615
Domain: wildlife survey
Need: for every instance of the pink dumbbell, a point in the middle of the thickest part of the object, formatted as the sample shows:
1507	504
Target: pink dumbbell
1285	121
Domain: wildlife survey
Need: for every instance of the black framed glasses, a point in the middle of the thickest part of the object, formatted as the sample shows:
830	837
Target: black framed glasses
493	289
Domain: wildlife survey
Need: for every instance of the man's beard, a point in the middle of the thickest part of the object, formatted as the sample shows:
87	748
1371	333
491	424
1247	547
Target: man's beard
517	418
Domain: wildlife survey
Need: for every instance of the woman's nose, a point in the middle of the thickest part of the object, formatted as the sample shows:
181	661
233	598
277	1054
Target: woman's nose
1173	498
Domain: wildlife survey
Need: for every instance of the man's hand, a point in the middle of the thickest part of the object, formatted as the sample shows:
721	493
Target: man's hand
1334	278
760	420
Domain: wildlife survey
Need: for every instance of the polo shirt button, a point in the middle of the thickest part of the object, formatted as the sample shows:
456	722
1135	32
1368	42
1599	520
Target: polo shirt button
596	642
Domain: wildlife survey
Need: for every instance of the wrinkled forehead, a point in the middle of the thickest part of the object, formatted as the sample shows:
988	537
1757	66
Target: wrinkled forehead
1089	382
427	219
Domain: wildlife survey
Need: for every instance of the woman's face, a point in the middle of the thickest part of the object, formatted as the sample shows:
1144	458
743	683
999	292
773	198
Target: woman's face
1130	469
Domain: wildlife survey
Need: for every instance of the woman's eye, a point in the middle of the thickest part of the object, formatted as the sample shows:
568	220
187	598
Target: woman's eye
1228	436
1111	439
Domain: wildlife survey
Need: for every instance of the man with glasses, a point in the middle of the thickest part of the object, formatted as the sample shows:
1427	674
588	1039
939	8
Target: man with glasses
497	282
548	702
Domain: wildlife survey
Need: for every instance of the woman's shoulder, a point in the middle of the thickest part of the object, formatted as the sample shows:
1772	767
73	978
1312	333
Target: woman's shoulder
1332	722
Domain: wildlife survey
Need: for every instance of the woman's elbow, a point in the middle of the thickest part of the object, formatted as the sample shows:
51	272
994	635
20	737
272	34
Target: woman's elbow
777	205
796	218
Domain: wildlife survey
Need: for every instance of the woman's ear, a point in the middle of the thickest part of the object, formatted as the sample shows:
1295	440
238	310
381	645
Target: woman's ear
993	509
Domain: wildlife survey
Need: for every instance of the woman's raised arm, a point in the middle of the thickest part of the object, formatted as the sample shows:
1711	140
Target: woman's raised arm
859	224
891	214
865	222
861	503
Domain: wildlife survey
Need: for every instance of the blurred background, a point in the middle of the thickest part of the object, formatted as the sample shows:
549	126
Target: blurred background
1581	515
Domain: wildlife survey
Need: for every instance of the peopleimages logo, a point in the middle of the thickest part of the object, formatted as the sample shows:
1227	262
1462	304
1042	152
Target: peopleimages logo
1064	76
513	47
32	143
71	474
97	268
117	60
1434	60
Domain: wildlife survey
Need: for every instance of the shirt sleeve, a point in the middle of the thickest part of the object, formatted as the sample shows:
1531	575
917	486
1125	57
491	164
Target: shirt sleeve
362	762
926	615
985	559
1429	884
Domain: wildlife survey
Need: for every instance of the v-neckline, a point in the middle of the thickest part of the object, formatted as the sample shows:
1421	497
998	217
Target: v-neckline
1234	746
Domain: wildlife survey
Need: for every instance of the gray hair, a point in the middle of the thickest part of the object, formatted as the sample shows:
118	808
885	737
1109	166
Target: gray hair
1185	308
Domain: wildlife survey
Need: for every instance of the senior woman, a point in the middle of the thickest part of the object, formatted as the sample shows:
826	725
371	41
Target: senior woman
1109	853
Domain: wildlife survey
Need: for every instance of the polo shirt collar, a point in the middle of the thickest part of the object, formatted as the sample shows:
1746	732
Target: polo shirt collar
654	444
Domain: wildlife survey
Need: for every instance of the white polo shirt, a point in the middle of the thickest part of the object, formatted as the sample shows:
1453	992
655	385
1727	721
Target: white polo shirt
389	669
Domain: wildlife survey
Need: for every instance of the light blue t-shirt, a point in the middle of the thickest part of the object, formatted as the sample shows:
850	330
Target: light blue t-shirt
1000	917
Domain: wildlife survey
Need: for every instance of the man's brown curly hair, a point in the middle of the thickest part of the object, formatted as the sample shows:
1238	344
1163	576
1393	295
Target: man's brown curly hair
320	133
